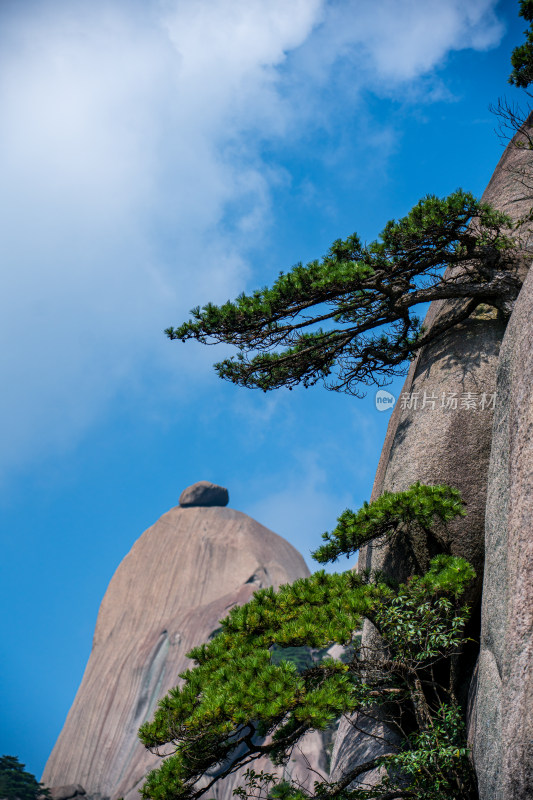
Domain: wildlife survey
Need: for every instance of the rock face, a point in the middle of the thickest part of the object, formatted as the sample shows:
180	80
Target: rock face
441	431
204	493
501	724
434	442
168	595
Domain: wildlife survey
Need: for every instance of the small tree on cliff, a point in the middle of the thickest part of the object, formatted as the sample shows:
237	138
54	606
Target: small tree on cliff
239	703
349	318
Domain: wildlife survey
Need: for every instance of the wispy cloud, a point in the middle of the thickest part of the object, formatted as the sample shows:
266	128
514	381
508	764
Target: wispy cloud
382	45
132	177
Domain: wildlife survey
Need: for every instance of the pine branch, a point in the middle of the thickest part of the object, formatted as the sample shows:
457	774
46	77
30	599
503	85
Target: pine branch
348	320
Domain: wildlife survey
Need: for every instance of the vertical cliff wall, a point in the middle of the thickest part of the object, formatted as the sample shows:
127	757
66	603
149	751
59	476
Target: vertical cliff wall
501	725
441	428
168	595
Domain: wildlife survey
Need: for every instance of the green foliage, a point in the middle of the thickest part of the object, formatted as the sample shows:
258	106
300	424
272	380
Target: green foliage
388	516
522	56
16	783
434	762
241	700
421	622
348	319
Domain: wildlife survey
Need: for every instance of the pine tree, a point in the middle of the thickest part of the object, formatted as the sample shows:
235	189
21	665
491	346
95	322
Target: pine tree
17	784
349	319
239	702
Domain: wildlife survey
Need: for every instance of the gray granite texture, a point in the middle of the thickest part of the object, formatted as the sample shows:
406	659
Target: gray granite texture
501	702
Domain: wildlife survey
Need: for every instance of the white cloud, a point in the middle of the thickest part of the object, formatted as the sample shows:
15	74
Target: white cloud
132	180
111	132
384	43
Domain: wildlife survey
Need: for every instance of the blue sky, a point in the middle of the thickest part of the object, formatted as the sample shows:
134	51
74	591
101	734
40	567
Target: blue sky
156	155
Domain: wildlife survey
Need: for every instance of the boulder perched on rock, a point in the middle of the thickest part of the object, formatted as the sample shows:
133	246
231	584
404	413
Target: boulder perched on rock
179	579
501	723
204	493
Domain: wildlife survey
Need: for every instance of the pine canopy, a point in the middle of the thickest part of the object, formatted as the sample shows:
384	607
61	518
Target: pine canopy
349	319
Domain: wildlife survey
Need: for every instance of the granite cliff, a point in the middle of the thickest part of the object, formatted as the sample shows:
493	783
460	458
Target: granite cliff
441	431
168	594
501	703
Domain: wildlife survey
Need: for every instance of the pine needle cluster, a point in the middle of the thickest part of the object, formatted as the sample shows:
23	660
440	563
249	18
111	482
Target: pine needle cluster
238	703
391	515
